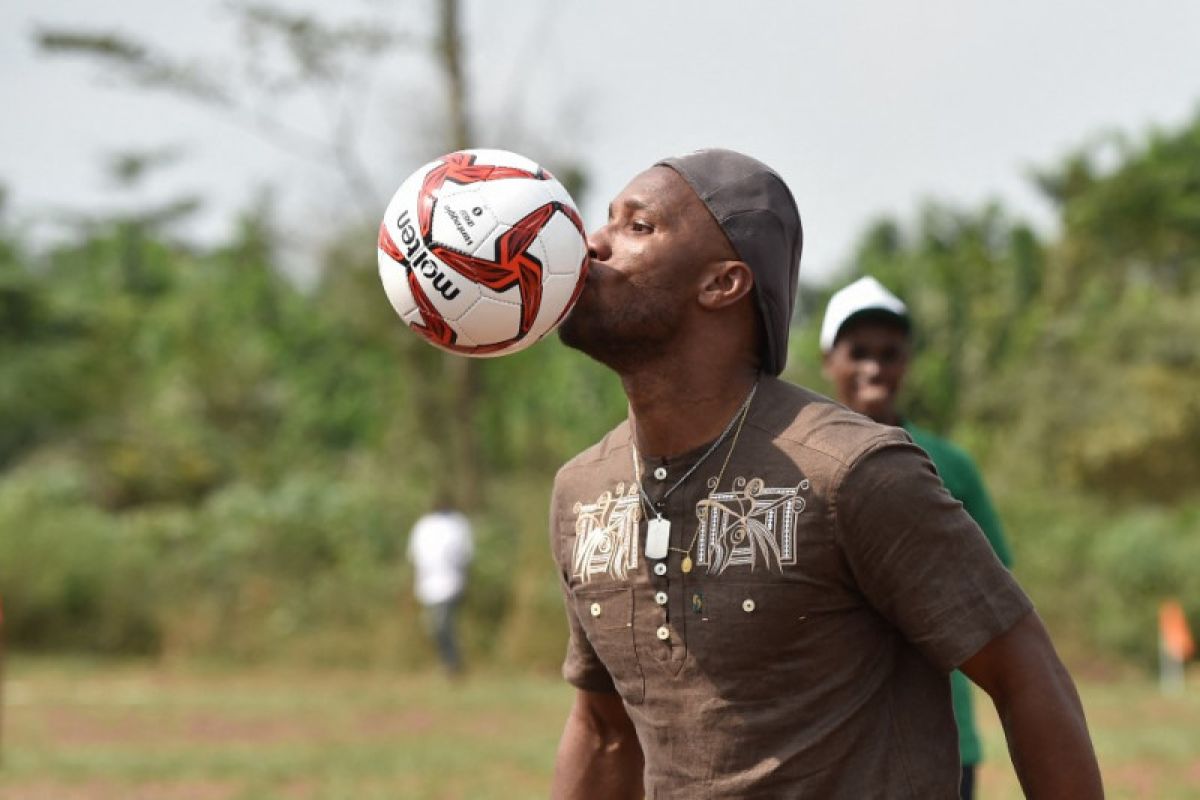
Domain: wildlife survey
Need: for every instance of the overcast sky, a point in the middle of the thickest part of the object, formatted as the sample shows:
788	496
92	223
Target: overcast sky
865	108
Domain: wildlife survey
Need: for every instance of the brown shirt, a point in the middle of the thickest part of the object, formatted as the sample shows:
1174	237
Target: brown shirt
836	583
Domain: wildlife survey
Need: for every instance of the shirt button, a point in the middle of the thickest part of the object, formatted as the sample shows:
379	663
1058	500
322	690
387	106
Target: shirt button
663	633
747	605
661	598
595	609
661	473
660	568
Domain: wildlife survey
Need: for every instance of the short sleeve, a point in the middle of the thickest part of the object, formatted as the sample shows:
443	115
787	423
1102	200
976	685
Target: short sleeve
918	558
582	668
978	503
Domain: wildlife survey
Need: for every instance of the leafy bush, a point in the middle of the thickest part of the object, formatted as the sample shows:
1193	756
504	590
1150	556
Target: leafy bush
71	575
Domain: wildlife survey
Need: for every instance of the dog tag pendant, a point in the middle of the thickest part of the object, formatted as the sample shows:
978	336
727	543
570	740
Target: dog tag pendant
686	564
658	537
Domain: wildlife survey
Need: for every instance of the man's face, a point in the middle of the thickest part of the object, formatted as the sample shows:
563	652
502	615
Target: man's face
867	366
644	274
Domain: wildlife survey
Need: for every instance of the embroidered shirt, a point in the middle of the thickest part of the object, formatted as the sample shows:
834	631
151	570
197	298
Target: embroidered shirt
807	652
962	480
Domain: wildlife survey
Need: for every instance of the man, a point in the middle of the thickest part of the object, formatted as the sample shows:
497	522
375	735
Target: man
865	343
440	548
763	621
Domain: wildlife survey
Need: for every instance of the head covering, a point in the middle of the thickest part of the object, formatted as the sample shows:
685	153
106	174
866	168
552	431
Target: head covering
758	215
864	295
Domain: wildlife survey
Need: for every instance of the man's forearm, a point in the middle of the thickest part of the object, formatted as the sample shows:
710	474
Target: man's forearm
597	758
1041	713
1048	719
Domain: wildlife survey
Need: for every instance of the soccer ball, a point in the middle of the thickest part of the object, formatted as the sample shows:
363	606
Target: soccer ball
482	252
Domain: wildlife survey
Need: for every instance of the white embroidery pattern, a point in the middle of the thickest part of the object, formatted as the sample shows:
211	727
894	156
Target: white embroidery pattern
750	522
606	534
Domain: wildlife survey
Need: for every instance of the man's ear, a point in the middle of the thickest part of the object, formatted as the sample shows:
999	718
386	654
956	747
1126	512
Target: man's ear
727	282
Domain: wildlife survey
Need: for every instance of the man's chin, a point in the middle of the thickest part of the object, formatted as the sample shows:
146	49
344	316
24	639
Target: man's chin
594	341
571	333
579	335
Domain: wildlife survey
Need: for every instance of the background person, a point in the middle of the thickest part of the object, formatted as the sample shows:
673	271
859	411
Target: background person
866	340
440	548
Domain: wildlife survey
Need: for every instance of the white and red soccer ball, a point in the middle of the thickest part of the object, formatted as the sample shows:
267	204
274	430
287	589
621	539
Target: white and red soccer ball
482	252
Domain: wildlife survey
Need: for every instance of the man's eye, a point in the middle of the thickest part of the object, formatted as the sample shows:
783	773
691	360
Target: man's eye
640	226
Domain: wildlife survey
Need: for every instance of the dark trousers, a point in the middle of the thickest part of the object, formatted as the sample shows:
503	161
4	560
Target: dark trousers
439	621
966	786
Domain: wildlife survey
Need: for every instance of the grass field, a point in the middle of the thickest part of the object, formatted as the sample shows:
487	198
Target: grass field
76	729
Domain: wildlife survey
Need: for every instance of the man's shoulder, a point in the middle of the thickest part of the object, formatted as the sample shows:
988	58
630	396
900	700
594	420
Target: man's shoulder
612	443
945	454
803	421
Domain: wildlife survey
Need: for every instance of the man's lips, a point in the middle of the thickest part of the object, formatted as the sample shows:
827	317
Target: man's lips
595	268
591	271
595	272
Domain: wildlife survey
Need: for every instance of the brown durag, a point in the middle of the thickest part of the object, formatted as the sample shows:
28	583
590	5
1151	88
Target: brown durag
758	214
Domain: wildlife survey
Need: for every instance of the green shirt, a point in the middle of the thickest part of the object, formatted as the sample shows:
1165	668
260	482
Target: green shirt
962	480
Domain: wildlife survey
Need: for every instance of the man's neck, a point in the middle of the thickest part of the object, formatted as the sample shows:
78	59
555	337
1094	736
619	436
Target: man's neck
675	409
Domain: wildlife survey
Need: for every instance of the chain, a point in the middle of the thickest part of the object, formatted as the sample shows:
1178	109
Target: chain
720	475
649	504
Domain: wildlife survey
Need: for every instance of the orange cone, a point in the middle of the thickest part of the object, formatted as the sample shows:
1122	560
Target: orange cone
1176	636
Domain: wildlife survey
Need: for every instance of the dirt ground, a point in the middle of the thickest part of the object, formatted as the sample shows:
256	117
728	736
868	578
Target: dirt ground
103	731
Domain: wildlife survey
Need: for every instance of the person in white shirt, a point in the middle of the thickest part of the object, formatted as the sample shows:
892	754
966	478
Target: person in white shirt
440	548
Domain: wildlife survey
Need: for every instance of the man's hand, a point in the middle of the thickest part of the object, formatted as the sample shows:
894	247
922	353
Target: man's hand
1041	713
599	755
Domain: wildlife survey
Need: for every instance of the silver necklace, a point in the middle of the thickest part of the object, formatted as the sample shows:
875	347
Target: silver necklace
658	530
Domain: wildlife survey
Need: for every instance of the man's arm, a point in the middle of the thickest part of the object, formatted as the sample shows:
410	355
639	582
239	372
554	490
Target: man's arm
1040	710
599	755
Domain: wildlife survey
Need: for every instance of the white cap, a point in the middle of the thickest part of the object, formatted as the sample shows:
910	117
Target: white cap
865	294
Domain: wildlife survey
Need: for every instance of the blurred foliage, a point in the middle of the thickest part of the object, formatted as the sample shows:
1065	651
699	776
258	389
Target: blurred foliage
200	458
197	457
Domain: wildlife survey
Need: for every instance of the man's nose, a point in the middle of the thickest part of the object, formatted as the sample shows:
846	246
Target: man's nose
598	244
